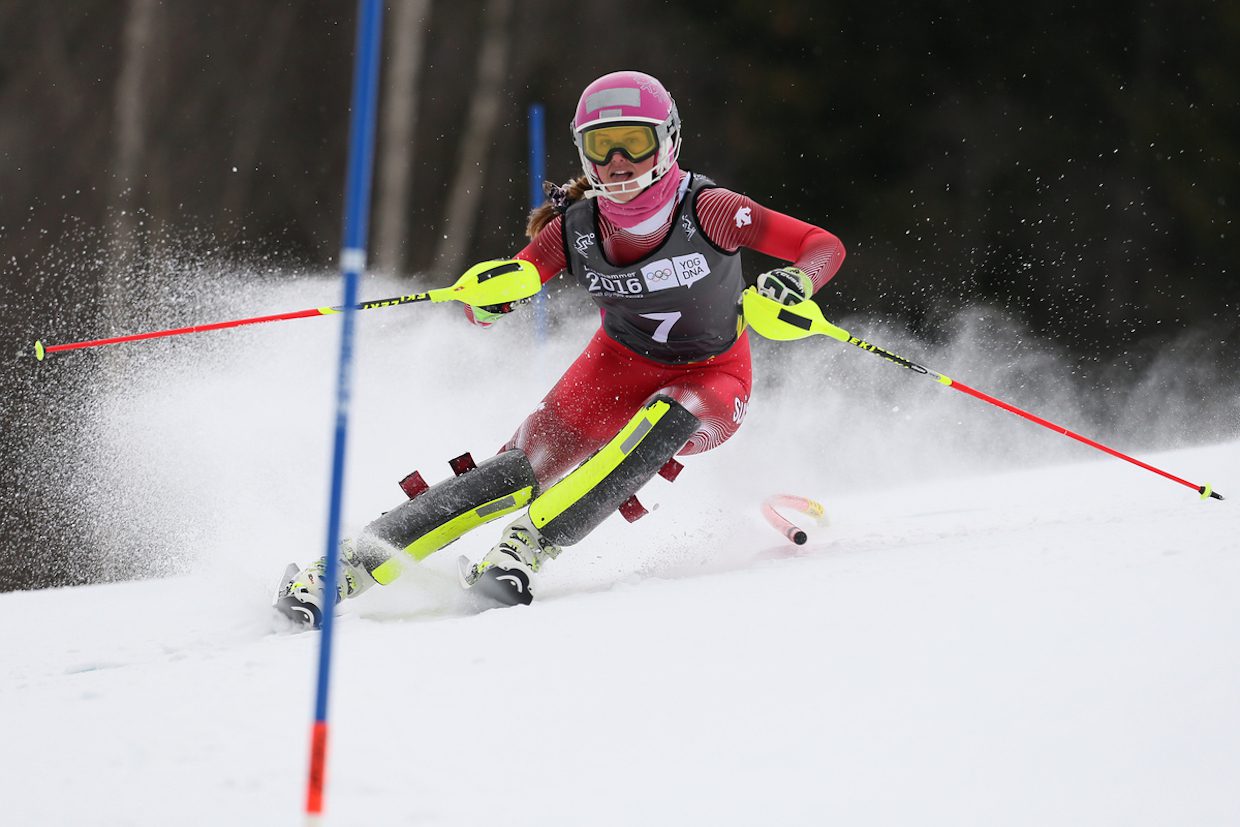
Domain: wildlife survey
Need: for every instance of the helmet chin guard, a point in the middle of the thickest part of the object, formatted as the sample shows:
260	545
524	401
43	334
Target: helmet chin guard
628	97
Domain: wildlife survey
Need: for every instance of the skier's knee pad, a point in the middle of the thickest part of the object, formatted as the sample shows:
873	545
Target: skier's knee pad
574	506
498	486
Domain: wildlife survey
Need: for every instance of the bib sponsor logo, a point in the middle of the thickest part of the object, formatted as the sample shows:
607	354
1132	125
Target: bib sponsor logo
583	243
690	229
677	271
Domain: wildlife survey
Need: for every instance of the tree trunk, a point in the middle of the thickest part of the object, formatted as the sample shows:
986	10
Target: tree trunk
118	279
484	108
400	114
129	108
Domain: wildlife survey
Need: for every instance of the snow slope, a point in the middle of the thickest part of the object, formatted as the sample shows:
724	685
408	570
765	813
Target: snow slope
998	626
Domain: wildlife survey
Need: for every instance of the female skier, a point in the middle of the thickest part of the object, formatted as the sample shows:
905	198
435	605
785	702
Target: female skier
666	374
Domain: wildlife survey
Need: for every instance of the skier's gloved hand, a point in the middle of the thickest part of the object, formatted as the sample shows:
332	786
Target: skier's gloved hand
786	285
487	315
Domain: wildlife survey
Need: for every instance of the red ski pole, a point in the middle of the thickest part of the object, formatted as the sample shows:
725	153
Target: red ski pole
773	320
491	282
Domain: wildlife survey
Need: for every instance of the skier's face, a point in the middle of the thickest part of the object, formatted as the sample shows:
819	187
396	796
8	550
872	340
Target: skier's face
619	169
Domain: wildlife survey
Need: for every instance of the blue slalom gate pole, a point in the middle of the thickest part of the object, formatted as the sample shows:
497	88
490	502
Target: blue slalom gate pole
538	151
352	264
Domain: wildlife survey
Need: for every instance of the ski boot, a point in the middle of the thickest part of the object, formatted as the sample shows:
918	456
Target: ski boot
302	597
504	574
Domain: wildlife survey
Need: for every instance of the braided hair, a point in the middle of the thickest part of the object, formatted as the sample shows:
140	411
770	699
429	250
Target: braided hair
559	198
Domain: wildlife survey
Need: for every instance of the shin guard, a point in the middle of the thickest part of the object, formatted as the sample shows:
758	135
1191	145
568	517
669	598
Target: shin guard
442	513
574	506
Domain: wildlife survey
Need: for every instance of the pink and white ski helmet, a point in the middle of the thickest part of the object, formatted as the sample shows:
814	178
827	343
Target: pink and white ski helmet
628	97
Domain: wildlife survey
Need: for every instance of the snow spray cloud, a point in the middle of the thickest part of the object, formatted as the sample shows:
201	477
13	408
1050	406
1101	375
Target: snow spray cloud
74	424
45	526
864	424
210	452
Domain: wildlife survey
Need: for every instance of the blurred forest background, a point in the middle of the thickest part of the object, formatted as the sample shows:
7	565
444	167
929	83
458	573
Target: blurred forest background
1077	164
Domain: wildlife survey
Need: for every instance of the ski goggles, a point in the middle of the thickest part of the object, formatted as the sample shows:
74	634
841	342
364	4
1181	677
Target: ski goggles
634	141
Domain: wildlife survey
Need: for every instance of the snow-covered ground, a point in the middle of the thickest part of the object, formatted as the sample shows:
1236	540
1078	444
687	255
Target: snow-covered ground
998	625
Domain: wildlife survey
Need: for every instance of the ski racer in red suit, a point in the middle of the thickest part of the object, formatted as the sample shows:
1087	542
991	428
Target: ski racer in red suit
666	374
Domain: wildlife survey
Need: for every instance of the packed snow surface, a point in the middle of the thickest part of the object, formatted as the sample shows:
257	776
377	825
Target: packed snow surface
996	626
